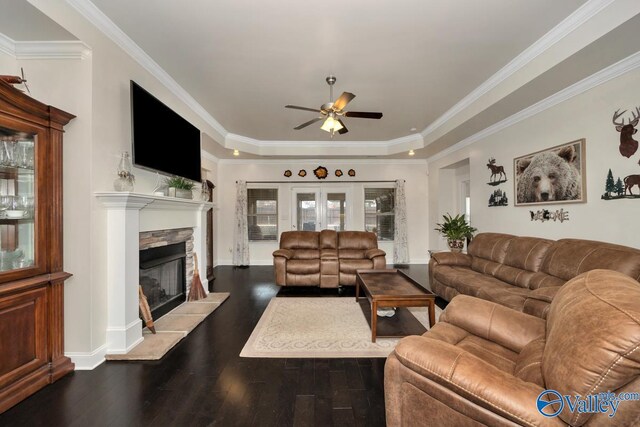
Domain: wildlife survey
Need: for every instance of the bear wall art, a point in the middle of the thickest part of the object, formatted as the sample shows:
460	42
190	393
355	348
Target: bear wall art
554	175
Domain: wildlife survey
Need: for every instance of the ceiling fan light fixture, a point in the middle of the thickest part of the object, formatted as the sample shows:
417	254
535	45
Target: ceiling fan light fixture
331	125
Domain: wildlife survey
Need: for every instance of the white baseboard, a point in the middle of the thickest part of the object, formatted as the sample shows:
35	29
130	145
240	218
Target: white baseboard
86	361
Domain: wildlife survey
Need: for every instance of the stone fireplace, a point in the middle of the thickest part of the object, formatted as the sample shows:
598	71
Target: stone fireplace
136	222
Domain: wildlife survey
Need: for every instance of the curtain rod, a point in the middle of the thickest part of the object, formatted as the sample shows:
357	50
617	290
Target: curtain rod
315	182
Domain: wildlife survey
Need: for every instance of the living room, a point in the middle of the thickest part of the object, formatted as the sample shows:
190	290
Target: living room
519	80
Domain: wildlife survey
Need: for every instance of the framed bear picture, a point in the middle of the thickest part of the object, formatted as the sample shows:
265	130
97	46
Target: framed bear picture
554	175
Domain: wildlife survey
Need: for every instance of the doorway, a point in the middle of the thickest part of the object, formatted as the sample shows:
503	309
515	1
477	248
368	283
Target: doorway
318	208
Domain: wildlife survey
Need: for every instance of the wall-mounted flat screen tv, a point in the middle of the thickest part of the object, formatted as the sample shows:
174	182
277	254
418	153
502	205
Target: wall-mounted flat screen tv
162	140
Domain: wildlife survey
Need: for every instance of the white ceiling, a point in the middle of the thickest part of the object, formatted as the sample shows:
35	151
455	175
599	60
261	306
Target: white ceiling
451	70
413	59
22	22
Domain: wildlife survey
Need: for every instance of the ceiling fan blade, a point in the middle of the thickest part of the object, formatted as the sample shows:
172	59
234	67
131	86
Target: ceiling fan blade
310	122
295	107
344	128
342	102
363	114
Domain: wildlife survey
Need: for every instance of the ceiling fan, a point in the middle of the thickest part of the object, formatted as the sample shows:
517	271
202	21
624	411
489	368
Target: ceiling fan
332	111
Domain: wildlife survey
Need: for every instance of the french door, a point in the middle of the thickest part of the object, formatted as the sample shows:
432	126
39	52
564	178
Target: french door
318	208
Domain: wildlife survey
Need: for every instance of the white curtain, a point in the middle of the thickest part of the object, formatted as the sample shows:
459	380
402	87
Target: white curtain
241	232
400	239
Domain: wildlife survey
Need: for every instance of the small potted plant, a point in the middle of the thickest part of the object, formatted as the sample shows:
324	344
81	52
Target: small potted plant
456	229
180	186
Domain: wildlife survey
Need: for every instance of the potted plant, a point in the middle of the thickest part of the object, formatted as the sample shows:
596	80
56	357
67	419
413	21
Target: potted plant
456	229
180	186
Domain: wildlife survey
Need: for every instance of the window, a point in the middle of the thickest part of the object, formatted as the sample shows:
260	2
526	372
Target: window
262	213
379	215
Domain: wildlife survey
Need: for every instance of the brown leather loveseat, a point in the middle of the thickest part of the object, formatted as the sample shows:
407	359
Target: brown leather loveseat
486	364
524	273
325	258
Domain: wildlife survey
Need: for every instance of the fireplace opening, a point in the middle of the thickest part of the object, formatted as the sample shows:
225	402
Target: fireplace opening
162	277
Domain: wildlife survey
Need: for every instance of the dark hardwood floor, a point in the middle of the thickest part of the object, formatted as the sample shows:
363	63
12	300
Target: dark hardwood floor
203	381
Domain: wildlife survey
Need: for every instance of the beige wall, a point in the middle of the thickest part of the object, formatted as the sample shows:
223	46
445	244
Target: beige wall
96	90
414	173
585	116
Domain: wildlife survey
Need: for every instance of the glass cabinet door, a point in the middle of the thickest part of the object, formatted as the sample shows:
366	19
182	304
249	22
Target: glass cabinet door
17	199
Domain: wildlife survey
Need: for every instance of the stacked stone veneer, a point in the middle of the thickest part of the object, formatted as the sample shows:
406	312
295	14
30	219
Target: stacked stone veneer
154	239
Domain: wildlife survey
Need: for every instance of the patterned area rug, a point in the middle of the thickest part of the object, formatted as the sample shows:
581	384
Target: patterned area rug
319	327
172	328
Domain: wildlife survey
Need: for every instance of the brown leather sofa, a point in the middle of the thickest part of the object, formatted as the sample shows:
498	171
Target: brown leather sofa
524	273
486	364
326	258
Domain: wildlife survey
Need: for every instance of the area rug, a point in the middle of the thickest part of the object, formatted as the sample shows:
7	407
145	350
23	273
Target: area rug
172	327
319	328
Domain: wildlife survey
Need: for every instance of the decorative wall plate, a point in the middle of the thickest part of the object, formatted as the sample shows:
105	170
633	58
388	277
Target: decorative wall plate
302	173
321	172
287	173
352	172
338	173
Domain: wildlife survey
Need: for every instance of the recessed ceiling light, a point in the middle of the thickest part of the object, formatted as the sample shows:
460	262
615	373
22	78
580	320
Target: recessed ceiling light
411	152
236	153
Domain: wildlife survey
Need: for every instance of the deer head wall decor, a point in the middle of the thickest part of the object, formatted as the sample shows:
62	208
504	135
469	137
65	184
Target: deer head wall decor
628	145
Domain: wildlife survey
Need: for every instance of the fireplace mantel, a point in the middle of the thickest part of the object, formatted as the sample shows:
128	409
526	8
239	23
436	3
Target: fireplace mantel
128	214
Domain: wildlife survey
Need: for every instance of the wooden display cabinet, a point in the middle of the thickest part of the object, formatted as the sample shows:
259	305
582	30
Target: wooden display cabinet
31	275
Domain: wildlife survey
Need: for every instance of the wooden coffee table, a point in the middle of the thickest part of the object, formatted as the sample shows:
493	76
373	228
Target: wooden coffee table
392	288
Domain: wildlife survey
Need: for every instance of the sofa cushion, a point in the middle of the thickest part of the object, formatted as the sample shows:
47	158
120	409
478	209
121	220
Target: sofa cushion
570	257
599	311
490	246
357	240
299	240
303	266
306	254
529	362
351	265
507	295
351	254
465	280
527	253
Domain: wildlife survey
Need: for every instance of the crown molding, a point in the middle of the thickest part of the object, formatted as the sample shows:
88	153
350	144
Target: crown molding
314	162
581	15
95	16
264	147
621	67
7	45
66	49
209	156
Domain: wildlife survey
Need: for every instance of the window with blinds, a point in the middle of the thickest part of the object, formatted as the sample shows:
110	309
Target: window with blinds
262	213
379	215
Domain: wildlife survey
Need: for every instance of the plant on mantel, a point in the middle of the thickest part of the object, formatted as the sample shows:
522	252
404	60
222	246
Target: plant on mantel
182	186
455	230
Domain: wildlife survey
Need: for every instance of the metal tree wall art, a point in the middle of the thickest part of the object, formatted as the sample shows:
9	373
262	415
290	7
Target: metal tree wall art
621	188
497	172
498	198
628	145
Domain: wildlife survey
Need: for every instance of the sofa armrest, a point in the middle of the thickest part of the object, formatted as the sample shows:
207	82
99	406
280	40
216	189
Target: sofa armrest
473	379
286	253
544	294
372	253
494	322
452	258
